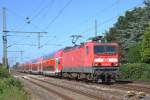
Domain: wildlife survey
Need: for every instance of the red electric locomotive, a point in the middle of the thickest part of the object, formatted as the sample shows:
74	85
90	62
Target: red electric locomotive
92	60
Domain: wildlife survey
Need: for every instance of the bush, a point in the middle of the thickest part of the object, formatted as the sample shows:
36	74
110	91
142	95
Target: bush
4	72
10	88
13	82
9	83
135	71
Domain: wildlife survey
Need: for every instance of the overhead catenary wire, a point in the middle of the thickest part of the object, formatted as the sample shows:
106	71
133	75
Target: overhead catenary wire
15	44
21	53
46	43
45	9
22	19
44	15
110	19
106	21
20	24
29	32
55	18
29	18
104	10
58	14
37	10
38	14
18	35
27	44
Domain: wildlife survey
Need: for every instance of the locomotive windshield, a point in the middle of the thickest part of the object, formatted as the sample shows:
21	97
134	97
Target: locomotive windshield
105	49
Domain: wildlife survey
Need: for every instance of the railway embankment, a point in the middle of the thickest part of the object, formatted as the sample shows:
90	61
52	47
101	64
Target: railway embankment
10	88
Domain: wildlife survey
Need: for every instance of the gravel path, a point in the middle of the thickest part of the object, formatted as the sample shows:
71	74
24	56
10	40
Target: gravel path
48	88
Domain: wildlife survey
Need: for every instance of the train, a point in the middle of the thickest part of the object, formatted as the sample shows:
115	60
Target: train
93	61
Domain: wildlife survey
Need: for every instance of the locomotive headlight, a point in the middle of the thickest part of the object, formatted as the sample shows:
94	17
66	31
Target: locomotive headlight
98	60
113	60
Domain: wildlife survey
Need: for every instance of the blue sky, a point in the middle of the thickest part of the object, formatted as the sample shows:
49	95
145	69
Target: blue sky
61	19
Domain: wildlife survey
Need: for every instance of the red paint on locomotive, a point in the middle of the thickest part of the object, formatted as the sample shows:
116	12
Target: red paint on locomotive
85	56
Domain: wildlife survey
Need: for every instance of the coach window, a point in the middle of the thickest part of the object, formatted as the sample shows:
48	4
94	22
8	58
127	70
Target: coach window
87	50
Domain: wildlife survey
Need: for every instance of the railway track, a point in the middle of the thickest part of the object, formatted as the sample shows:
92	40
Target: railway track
138	89
92	86
92	93
93	96
131	87
50	90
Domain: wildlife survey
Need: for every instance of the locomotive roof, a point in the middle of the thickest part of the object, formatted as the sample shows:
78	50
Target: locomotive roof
73	47
82	44
50	55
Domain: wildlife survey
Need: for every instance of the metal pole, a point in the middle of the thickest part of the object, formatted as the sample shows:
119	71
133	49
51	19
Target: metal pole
21	53
5	60
95	27
39	36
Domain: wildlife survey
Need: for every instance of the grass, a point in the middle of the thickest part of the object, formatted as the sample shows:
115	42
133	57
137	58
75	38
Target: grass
13	93
11	88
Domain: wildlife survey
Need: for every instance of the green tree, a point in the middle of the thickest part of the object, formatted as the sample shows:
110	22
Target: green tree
129	30
134	54
146	46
